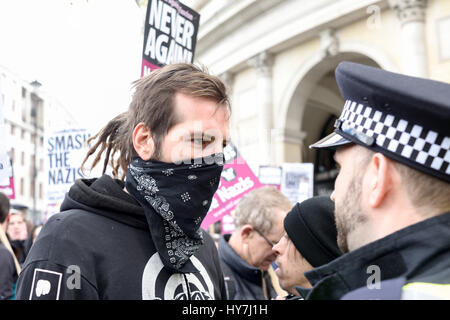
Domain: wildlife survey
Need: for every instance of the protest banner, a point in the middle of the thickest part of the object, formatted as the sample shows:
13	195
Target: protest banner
297	182
270	175
170	34
237	180
65	152
6	176
6	171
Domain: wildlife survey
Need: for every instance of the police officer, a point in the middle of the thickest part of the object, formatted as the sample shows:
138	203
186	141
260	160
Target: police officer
392	194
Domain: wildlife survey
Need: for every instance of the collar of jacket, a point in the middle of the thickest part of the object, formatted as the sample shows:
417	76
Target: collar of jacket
302	292
236	263
409	252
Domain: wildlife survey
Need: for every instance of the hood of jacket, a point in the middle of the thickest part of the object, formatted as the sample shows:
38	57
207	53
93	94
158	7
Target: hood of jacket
418	252
105	196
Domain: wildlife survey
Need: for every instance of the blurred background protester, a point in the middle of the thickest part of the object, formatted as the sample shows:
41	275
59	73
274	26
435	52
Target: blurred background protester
17	231
8	270
309	242
247	254
28	243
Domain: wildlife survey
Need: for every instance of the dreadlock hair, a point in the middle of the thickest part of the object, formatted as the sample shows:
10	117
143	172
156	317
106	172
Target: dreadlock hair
152	104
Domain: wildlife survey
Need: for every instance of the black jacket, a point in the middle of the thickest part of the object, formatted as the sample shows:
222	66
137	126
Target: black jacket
99	247
418	253
243	281
8	274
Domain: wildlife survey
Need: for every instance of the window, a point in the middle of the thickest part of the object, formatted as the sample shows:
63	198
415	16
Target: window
13	128
41	164
22	134
41	191
22	158
12	155
21	186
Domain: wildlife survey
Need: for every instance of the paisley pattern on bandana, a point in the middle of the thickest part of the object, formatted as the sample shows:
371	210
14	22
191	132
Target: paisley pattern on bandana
175	204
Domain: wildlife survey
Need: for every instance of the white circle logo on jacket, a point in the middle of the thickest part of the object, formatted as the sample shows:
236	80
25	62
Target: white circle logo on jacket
157	285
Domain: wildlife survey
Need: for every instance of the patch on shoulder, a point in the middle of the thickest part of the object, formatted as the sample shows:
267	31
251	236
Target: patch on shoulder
46	285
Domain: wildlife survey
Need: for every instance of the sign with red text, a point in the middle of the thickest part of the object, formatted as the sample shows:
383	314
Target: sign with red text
237	180
170	34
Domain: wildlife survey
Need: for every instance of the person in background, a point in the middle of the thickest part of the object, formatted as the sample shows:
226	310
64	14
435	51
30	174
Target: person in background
17	227
32	238
8	271
17	231
310	241
247	254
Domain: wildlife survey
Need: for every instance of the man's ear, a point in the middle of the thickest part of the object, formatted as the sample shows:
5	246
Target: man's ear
143	142
380	179
246	231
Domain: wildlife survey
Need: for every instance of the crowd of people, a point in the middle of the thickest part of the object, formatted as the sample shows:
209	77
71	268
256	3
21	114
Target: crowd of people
18	235
384	233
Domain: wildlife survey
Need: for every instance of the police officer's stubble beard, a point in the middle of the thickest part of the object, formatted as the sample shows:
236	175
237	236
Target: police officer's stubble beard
350	216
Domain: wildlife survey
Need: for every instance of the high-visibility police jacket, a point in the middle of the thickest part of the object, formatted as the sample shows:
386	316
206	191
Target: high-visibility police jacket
412	263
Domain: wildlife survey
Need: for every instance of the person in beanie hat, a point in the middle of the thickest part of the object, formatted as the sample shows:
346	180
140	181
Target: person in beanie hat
392	193
309	242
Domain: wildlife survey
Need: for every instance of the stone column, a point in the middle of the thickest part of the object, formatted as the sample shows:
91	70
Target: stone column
288	145
411	14
263	63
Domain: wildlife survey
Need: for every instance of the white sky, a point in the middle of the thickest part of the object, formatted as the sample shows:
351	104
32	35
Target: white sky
84	52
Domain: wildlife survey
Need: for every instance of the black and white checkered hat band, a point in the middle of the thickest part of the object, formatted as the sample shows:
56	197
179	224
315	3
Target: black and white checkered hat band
408	140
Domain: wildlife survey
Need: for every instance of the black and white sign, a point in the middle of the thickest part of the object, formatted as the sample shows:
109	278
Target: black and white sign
170	34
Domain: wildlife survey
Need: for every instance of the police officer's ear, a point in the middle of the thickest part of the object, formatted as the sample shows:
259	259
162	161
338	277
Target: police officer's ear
379	179
143	141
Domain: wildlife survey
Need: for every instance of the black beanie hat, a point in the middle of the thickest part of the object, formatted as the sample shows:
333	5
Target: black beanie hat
311	227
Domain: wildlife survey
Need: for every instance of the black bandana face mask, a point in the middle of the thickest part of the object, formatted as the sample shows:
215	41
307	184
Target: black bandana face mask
175	198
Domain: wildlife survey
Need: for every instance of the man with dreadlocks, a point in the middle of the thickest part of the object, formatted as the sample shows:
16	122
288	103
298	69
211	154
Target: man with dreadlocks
139	237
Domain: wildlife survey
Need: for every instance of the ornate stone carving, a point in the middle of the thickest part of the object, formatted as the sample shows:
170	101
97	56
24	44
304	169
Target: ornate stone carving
329	42
263	62
409	10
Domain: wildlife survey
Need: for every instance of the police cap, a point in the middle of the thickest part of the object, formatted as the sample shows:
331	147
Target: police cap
405	118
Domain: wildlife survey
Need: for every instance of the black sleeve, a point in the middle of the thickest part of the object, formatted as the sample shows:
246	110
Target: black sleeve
8	274
59	265
43	280
214	258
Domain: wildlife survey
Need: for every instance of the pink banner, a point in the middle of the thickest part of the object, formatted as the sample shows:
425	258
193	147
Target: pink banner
147	67
236	181
9	189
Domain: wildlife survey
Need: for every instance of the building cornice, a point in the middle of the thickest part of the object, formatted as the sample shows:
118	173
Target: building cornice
275	30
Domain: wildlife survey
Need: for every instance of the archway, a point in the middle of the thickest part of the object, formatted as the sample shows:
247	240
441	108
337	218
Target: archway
313	107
